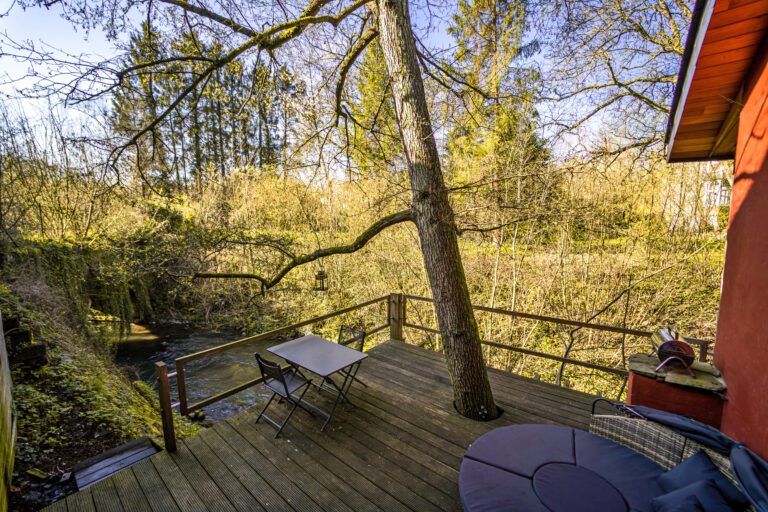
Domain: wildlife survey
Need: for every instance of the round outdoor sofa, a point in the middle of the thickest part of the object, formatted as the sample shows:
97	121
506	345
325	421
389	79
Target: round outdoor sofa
549	468
620	465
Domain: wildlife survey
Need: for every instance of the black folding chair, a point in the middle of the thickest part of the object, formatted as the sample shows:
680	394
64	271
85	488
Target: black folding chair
353	338
283	383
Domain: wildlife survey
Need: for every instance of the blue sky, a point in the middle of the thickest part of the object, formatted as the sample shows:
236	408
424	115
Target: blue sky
43	26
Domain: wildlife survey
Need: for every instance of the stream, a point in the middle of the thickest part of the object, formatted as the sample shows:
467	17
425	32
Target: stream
139	350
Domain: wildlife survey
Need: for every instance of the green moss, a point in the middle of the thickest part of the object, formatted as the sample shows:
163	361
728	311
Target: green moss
85	389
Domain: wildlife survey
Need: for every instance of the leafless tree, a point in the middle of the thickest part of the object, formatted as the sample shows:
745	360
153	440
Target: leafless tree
333	30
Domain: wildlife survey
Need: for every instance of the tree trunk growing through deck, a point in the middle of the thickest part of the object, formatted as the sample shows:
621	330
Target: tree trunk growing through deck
433	215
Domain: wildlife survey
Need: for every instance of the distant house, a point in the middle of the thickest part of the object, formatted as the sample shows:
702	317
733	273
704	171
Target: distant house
717	193
720	112
716	196
699	201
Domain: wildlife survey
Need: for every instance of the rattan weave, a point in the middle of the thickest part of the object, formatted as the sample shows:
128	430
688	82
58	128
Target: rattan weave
660	444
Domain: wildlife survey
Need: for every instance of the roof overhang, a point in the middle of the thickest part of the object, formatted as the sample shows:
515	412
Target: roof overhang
723	42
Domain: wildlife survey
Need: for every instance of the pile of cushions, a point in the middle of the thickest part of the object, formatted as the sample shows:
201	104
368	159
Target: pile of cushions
696	485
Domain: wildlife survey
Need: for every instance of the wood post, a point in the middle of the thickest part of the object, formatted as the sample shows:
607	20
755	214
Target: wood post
396	315
166	411
7	424
181	385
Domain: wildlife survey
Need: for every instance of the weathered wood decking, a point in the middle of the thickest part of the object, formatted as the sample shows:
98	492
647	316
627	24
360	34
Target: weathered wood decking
398	449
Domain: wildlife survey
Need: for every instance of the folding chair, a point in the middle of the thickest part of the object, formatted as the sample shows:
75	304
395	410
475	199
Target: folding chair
353	338
282	383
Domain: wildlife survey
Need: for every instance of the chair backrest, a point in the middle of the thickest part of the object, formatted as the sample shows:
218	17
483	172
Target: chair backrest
271	370
351	337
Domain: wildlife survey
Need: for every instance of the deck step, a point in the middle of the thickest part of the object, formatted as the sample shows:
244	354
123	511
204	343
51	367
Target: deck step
106	464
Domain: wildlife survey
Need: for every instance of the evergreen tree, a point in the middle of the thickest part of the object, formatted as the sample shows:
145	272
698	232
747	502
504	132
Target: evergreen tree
375	141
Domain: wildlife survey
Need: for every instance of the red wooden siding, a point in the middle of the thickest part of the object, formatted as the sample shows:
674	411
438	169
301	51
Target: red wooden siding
742	334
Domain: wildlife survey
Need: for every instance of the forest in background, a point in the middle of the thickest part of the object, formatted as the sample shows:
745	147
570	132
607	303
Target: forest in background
549	121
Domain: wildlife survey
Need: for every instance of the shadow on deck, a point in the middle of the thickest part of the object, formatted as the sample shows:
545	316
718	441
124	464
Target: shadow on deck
399	449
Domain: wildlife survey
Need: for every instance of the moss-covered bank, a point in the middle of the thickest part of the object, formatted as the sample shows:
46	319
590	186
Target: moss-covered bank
76	402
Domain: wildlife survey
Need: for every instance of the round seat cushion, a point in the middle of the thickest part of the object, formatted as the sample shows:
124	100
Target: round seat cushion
552	468
570	488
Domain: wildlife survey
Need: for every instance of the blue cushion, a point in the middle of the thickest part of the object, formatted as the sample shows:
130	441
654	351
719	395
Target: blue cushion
635	476
689	504
752	472
486	488
709	497
521	449
569	488
705	434
700	467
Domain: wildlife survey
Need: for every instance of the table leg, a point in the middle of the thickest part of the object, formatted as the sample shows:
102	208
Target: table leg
340	396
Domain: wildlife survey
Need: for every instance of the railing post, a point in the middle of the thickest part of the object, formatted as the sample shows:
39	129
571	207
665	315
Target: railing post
181	386
396	315
166	412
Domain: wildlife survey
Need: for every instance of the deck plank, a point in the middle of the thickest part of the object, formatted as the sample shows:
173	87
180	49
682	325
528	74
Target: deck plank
153	487
527	407
284	485
81	502
402	485
287	450
182	491
314	488
258	486
59	506
398	446
336	459
210	494
130	493
237	494
105	496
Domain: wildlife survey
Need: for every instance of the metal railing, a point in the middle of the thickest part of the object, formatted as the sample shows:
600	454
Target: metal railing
397	321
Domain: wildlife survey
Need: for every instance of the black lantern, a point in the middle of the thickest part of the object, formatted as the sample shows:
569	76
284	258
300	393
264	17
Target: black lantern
320	280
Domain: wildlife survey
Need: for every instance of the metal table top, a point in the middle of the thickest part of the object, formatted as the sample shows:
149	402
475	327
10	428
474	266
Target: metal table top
317	354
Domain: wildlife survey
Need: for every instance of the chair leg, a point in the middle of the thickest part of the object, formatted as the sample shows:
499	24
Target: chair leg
293	409
342	391
352	373
265	407
354	376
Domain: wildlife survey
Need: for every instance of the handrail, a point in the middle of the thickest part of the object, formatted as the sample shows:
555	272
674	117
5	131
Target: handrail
608	369
275	332
396	321
531	316
186	408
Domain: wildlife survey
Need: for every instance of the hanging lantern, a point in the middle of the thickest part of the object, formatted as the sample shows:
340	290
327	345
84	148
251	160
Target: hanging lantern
320	280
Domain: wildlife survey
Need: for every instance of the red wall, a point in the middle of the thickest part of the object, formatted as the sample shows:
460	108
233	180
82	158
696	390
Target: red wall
741	351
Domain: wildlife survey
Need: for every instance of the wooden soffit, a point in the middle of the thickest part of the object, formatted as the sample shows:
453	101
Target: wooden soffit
725	38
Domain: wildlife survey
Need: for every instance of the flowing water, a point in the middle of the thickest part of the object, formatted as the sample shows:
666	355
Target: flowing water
140	349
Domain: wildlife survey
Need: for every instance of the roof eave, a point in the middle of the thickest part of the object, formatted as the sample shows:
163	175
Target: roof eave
702	13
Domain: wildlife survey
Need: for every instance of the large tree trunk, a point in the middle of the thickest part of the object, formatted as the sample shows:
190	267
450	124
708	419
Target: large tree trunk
434	215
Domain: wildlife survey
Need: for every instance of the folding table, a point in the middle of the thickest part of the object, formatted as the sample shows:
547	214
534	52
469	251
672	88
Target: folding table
323	358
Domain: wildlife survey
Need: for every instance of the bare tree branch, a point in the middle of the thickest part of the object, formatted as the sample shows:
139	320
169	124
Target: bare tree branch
354	52
359	242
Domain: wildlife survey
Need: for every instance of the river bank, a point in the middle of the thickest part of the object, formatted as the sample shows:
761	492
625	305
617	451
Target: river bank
140	347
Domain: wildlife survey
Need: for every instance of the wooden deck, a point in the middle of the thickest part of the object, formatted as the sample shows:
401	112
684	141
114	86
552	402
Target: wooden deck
399	449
